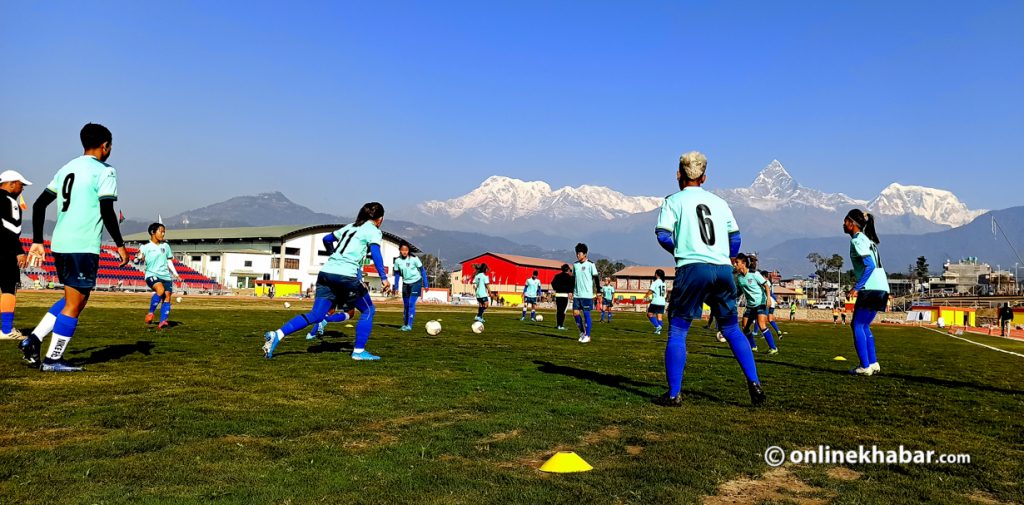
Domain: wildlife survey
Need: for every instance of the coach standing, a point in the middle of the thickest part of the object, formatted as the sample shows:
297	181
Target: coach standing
12	254
562	284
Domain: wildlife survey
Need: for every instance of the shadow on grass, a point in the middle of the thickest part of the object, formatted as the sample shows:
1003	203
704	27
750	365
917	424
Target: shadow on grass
550	335
114	352
615	381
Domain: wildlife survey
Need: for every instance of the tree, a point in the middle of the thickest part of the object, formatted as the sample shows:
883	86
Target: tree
921	269
439	277
607	268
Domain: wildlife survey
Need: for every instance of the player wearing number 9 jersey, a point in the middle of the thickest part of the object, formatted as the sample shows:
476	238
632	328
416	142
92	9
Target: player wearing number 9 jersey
338	282
85	190
699	229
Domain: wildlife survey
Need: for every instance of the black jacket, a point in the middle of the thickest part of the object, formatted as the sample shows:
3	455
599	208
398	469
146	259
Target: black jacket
1005	314
10	236
562	283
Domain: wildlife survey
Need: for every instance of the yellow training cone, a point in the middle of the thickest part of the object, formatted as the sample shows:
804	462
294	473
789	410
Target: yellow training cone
565	462
838	358
349	326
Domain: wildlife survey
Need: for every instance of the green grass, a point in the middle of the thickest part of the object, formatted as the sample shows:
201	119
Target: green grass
196	415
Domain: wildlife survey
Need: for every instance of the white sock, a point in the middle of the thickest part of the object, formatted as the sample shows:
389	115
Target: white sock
357	351
58	344
280	335
45	326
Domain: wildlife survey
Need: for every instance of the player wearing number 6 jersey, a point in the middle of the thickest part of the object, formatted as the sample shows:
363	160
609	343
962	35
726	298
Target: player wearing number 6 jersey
698	228
338	282
85	190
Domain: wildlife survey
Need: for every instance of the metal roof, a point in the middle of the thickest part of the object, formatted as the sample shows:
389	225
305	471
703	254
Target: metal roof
642	271
264	233
526	261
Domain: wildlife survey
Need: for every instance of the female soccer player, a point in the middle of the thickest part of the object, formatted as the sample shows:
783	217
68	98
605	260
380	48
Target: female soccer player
585	274
871	290
481	281
754	287
656	309
338	281
160	272
414	281
772	302
531	292
607	299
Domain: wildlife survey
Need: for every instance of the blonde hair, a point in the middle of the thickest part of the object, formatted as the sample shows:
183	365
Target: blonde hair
693	165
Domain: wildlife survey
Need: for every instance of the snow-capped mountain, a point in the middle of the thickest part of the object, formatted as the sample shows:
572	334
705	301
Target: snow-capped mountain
936	205
504	199
775	189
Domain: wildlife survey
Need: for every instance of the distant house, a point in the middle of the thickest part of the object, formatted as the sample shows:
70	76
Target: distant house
507	273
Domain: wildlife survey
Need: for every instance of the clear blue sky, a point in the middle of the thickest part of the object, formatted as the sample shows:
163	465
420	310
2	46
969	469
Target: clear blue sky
338	103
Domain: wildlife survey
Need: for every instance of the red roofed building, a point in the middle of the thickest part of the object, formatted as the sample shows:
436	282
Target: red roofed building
508	274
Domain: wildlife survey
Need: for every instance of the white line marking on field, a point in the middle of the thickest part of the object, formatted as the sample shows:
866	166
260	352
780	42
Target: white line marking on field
1019	355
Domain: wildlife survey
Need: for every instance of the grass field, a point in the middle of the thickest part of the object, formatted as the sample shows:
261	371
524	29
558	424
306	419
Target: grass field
194	414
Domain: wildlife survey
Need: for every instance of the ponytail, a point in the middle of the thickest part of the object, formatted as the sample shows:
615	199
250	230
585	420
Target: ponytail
370	212
866	222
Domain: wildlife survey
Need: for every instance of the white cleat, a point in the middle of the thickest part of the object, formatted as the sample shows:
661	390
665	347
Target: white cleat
867	372
875	368
585	339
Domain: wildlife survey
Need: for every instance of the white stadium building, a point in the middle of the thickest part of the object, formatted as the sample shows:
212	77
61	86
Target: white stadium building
238	257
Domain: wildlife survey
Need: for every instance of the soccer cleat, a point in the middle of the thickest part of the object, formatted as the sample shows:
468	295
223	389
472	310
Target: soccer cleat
721	338
149	318
581	336
585	339
560	328
364	356
30	348
270	343
58	365
757	396
669	401
754	348
522	318
657	330
867	372
162	325
773	352
875	368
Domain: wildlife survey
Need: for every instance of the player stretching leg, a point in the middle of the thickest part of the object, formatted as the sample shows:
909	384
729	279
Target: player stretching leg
698	228
414	281
871	290
338	281
530	294
85	190
585	274
656	309
160	272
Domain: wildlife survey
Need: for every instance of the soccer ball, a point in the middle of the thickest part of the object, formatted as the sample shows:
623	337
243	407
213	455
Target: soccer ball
477	327
179	299
287	305
540	317
433	327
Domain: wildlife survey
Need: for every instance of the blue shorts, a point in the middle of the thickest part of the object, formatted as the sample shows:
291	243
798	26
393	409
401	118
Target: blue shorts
606	303
77	270
340	289
771	311
168	284
529	299
583	304
655	309
699	283
482	300
871	299
410	289
753	312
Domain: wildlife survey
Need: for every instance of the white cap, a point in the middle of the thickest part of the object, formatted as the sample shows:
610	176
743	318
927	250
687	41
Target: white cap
13	175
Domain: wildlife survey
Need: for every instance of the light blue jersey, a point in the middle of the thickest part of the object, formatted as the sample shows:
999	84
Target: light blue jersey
353	244
861	246
79	186
409	268
751	284
658	290
481	281
608	292
700	223
158	259
584	271
532	288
